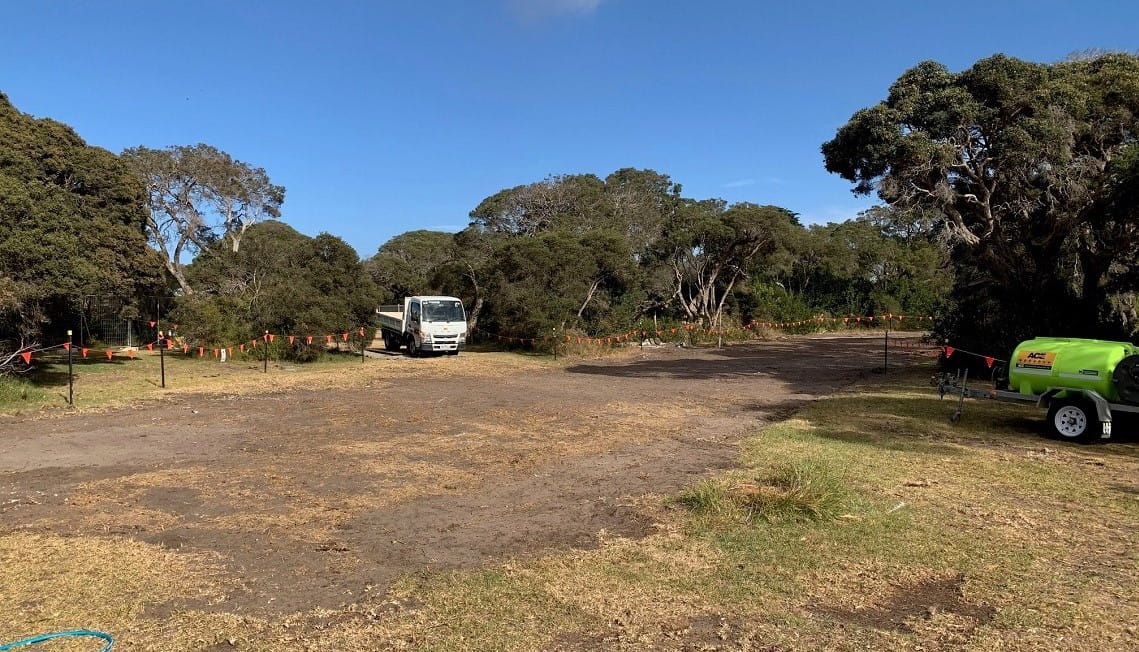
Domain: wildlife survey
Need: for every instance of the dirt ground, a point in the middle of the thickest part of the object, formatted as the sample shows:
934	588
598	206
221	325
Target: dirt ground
322	497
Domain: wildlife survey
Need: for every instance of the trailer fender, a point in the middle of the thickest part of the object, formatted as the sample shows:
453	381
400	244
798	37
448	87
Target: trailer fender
1102	407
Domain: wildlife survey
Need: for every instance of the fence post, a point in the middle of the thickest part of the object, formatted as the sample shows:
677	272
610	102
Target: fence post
162	356
265	368
70	374
886	352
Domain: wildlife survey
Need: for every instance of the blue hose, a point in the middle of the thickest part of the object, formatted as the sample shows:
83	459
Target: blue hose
71	632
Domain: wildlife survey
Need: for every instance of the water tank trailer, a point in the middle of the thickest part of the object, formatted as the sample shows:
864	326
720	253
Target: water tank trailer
1083	383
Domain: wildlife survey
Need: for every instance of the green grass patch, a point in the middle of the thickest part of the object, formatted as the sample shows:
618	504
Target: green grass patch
16	392
806	489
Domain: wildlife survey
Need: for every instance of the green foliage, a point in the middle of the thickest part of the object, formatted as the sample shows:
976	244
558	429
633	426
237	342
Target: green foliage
72	223
1029	170
558	279
407	264
596	257
279	281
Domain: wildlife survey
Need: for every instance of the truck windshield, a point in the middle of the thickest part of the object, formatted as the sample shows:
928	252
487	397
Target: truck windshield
443	311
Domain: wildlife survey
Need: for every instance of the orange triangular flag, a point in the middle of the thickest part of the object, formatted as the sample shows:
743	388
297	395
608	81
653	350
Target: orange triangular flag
84	352
308	339
67	346
361	332
949	351
272	337
185	348
110	353
242	348
150	347
989	361
27	356
130	353
201	351
345	336
152	324
292	338
328	338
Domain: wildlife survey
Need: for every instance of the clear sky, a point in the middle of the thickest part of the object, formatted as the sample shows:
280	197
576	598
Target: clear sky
382	117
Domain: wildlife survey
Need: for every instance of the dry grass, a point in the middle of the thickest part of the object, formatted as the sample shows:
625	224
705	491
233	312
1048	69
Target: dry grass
100	384
866	522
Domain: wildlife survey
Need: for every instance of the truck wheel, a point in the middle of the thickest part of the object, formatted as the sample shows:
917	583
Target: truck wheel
1071	419
413	347
390	343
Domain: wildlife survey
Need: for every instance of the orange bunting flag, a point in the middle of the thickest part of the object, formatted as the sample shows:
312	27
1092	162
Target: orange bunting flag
130	353
201	351
361	332
27	356
241	345
344	336
216	353
292	338
83	352
152	324
949	351
308	340
185	348
175	326
253	343
989	361
67	346
328	339
150	347
109	353
272	337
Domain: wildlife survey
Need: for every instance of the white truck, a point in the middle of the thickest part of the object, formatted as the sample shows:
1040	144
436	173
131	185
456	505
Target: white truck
424	325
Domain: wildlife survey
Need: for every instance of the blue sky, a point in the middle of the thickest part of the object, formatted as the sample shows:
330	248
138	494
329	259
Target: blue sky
382	117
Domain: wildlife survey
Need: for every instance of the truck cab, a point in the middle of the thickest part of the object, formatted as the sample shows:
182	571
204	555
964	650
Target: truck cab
425	324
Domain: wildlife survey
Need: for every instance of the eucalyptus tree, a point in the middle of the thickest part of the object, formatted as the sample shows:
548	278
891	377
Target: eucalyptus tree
198	194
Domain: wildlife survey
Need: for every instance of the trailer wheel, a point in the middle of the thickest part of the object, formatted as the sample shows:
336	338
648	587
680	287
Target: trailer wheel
1072	419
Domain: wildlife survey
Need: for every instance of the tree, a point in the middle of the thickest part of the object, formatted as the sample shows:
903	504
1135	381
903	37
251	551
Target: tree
559	279
199	194
280	281
1017	158
72	222
566	202
638	203
406	265
710	246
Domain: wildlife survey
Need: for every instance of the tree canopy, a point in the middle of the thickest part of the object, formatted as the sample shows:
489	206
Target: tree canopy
1028	167
71	224
279	281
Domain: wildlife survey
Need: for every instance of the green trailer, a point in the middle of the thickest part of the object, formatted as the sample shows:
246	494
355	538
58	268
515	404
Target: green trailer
1082	383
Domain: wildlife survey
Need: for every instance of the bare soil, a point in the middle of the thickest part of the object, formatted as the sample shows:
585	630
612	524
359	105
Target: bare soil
322	497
